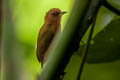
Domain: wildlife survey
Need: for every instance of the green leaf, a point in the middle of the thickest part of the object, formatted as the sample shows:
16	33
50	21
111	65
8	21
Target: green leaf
115	3
105	46
104	17
102	71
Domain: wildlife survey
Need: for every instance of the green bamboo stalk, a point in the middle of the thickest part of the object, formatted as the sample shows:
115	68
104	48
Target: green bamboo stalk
58	52
10	71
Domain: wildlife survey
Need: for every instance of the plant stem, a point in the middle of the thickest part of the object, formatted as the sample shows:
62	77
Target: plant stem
85	50
9	49
110	7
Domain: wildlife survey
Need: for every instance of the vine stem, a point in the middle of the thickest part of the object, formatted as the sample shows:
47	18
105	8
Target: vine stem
85	50
110	7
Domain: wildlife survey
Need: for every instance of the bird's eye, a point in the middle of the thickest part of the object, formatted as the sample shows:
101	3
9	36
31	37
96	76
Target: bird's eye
55	13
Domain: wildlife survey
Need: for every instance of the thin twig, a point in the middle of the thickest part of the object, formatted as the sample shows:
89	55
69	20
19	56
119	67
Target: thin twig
110	7
85	50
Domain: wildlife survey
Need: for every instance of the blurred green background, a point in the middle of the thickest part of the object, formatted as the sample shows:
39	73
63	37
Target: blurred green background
28	17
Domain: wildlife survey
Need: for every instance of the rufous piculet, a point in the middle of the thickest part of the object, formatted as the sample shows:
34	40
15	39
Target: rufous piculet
47	33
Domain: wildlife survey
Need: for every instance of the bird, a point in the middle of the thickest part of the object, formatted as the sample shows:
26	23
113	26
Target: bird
47	33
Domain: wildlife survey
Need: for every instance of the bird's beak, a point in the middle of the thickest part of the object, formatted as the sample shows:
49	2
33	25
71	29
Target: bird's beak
62	13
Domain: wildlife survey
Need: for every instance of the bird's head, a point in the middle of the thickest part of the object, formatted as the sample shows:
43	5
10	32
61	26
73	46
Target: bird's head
54	15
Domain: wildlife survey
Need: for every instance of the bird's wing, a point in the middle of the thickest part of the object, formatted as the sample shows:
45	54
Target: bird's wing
58	31
44	40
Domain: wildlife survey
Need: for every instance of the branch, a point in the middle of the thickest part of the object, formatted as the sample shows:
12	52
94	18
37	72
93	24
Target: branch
110	7
85	50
